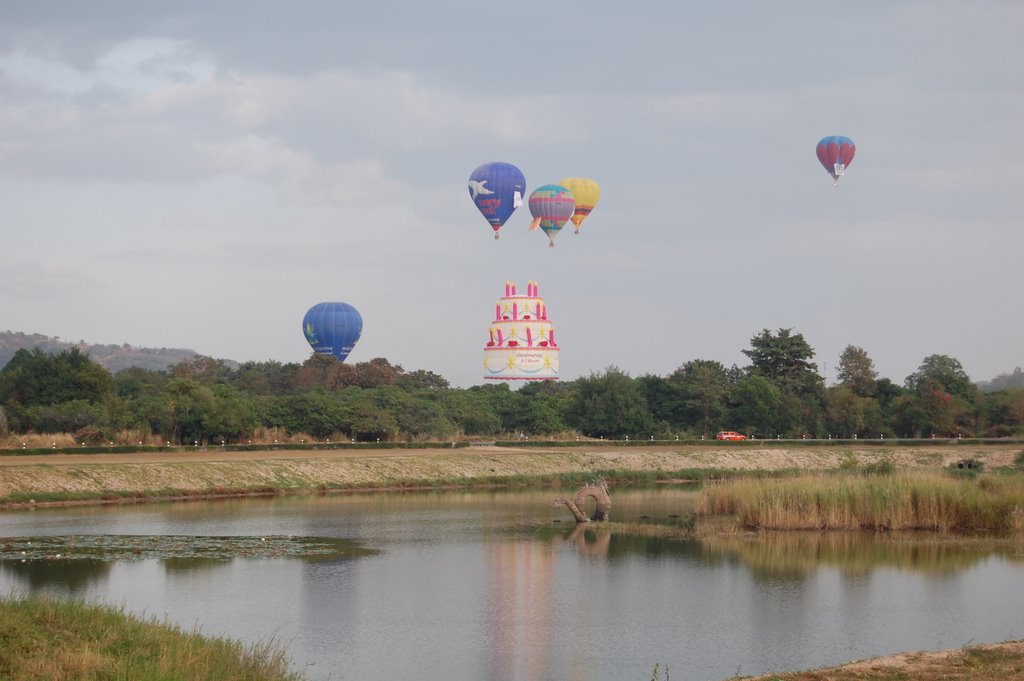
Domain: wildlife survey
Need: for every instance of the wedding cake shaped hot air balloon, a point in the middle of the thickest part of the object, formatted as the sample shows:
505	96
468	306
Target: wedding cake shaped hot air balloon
521	344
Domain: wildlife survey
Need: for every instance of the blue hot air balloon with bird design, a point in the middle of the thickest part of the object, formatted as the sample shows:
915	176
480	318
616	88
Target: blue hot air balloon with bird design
332	328
497	189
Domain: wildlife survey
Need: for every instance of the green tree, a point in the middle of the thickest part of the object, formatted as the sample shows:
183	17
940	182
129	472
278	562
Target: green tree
539	408
34	378
755	406
417	414
848	414
233	416
471	412
857	371
1003	412
946	373
662	400
324	372
609	405
315	412
908	416
368	421
422	379
702	388
784	359
377	372
134	382
189	408
265	378
65	417
203	370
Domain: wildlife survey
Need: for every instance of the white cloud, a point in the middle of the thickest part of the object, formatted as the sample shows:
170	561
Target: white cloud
136	65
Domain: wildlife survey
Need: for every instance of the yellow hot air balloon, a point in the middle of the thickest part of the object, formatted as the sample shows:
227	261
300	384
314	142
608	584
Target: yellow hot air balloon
587	193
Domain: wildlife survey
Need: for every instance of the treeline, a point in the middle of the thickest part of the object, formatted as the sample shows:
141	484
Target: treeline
780	394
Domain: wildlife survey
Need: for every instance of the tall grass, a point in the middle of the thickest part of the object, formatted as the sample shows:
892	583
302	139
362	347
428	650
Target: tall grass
906	501
60	640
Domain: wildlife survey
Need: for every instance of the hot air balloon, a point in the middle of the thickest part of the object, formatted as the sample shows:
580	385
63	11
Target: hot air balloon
835	153
587	193
551	206
332	328
497	190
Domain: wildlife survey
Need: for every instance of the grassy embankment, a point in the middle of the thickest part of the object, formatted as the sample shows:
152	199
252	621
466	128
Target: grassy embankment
56	640
554	481
901	501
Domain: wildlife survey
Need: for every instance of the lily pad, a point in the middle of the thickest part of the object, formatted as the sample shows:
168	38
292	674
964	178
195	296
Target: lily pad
114	547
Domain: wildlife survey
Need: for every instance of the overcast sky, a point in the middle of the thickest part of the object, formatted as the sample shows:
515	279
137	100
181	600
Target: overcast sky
198	174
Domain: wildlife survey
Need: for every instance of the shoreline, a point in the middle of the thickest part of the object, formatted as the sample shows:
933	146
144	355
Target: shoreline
1002	660
36	480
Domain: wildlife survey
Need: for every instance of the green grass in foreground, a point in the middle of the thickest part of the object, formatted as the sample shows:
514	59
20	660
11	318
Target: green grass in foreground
55	640
903	501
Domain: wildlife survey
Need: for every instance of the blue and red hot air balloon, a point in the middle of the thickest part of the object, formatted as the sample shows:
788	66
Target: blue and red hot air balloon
836	153
497	189
332	328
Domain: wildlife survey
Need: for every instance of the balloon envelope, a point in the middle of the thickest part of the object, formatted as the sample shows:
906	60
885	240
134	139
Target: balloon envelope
551	206
835	153
497	189
332	328
586	192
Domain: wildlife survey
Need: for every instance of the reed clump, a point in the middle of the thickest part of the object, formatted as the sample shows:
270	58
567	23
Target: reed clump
903	501
57	640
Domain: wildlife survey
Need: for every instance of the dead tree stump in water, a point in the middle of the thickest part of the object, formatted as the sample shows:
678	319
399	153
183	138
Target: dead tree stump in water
598	489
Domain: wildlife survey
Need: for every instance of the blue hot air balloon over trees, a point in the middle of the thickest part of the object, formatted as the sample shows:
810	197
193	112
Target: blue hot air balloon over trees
497	189
332	328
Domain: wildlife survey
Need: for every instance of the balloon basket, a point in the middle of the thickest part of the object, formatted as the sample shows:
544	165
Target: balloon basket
496	236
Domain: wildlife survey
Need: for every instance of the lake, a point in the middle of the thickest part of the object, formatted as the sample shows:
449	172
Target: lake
487	585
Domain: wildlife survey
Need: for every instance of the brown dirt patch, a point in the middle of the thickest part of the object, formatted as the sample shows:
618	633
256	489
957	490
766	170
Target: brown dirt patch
990	661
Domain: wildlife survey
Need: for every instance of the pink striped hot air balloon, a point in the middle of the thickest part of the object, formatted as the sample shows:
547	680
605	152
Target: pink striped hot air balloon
551	206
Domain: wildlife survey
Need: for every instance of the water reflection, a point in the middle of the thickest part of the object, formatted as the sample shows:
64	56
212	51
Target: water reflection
172	565
590	541
798	555
68	576
519	609
489	585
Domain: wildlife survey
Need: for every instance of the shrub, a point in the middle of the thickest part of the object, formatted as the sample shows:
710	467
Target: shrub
879	468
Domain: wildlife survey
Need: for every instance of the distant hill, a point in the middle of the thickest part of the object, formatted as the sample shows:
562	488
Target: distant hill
113	357
1003	381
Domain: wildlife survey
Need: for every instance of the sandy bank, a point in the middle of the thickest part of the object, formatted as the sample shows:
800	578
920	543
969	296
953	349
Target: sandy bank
199	471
